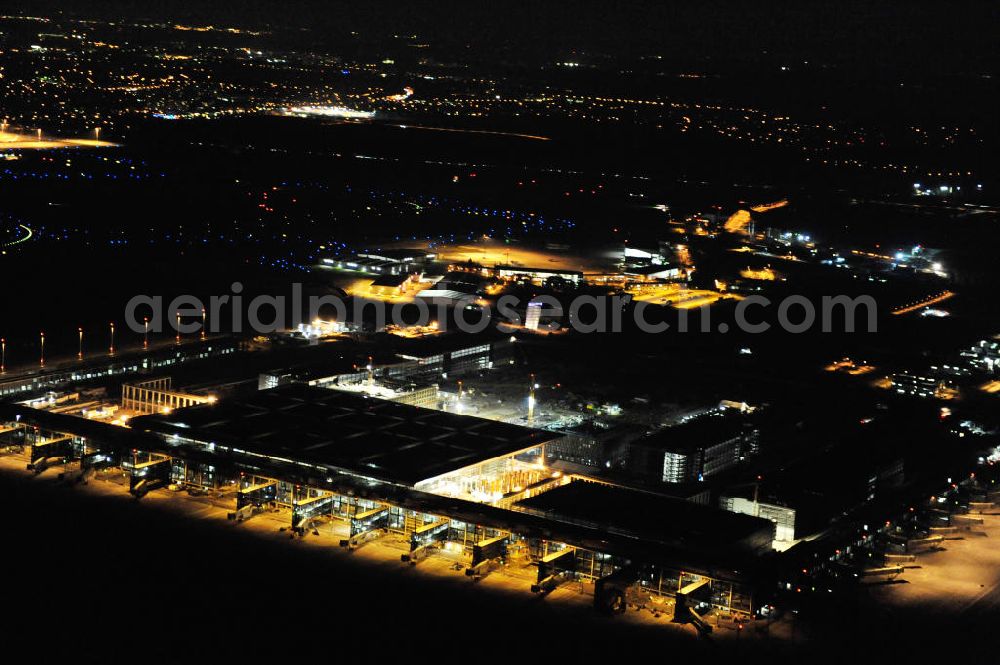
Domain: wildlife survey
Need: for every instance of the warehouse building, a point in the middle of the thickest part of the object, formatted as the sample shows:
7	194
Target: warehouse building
538	275
389	284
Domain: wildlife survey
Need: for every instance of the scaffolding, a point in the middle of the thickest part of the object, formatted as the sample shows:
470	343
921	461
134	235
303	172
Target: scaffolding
157	396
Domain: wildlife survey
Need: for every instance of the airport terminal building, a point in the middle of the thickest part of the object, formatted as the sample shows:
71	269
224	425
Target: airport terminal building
437	479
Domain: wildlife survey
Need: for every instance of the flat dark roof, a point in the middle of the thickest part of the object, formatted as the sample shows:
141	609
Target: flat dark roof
699	432
356	433
396	254
463	277
649	270
717	563
653	517
605	429
390	280
445	343
547	271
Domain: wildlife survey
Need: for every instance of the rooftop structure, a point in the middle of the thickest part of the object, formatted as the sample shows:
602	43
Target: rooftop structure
348	432
541	274
462	281
398	255
594	444
387	284
405	392
419	358
695	433
653	518
652	272
868	464
696	449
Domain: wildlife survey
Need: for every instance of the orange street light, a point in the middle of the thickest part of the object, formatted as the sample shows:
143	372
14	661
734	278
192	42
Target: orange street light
145	333
79	353
111	349
41	360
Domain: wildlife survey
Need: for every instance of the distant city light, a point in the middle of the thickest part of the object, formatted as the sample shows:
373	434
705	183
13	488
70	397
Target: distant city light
328	111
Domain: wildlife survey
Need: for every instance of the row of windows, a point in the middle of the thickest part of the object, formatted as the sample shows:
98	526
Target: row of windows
53	380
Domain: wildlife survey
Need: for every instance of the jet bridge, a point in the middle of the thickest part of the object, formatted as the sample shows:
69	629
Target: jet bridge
687	600
90	462
611	591
914	545
424	537
45	452
12	437
147	472
253	496
308	511
888	572
554	569
487	554
366	525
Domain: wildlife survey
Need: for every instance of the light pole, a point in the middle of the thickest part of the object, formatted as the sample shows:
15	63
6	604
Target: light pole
145	332
41	360
3	355
178	338
111	349
203	321
531	400
79	353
